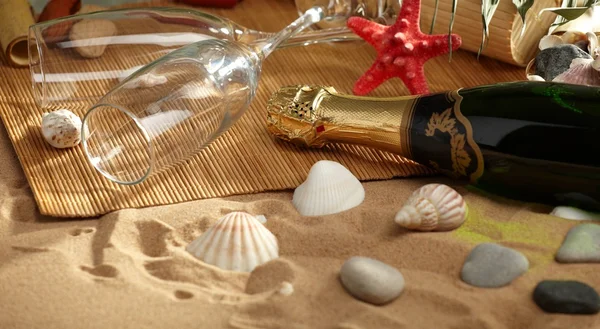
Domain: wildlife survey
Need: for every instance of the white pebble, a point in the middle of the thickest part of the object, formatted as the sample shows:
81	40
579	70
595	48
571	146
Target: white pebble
286	288
371	281
573	213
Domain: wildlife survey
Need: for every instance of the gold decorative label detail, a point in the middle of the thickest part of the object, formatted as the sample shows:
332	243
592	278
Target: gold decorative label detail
443	138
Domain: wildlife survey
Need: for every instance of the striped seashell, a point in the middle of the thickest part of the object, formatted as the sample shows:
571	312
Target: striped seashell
581	72
433	207
237	242
329	188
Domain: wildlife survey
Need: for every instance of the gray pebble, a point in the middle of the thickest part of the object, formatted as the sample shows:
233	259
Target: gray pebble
569	297
551	62
371	281
581	245
490	265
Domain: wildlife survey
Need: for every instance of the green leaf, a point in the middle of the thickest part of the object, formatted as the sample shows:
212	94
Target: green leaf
435	11
488	8
522	7
568	14
590	3
454	5
569	10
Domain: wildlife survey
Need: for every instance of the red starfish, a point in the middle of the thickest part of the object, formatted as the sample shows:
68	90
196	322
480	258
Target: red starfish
402	49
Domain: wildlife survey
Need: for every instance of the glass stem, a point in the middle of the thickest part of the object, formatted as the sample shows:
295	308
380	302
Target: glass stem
311	16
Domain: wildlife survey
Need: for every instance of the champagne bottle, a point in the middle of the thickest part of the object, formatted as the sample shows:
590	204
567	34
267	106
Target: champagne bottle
532	141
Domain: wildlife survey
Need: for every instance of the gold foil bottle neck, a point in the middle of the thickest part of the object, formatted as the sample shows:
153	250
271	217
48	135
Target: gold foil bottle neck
292	114
313	116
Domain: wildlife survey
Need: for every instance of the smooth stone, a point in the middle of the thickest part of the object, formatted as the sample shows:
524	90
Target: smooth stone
581	245
551	62
490	265
573	213
371	281
569	297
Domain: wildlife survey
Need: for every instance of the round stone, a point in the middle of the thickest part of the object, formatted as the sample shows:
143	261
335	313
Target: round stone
551	62
490	265
371	281
581	245
568	297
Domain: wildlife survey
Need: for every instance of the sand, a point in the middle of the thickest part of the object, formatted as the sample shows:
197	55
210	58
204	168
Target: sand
129	269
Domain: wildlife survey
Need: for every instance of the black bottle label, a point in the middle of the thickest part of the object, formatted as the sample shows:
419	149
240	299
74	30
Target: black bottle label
440	136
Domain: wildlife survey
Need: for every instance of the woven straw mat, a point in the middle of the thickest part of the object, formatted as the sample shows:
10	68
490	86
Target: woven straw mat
246	159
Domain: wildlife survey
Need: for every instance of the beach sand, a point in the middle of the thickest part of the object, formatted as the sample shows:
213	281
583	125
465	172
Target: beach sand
129	269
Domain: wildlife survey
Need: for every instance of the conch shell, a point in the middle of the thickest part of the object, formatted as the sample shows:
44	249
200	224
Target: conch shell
433	207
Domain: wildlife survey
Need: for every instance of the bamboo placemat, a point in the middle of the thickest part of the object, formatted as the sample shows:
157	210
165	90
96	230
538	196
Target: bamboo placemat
246	159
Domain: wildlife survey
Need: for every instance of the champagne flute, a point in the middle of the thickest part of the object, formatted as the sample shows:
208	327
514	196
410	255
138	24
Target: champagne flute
131	38
171	108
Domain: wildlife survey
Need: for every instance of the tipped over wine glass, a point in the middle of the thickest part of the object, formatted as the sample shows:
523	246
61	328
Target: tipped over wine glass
173	107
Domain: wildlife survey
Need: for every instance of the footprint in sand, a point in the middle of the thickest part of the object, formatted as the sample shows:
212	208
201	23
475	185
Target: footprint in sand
153	237
79	231
270	276
103	271
181	294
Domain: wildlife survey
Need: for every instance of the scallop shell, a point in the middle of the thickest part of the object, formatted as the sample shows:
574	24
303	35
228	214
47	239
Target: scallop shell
433	207
329	188
574	213
61	128
549	41
237	242
581	72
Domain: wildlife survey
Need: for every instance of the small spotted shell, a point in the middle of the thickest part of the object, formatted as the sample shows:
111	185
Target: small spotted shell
433	207
61	128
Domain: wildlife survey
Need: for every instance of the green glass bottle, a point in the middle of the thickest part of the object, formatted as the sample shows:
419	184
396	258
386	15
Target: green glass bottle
532	141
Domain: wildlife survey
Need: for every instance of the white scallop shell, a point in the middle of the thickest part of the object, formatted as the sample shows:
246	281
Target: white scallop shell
433	207
549	41
329	188
574	213
61	128
581	72
237	242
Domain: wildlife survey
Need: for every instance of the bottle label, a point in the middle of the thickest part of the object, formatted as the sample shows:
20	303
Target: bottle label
439	135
